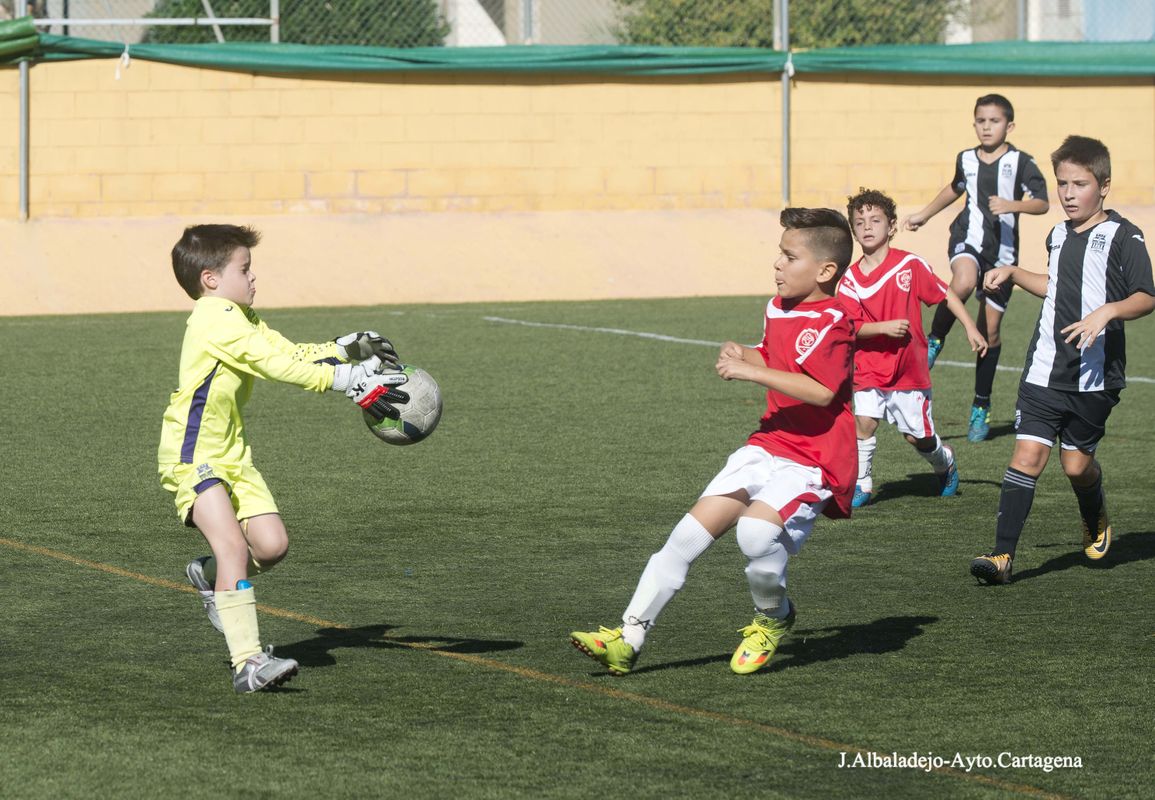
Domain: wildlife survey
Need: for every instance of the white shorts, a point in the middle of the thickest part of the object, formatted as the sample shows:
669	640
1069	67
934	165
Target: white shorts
795	491
906	409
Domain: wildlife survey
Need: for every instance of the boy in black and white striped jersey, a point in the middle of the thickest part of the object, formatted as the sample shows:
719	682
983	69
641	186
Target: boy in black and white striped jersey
1000	182
1098	275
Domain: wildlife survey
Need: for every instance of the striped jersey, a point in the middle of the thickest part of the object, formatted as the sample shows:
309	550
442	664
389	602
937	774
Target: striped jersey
814	339
895	289
1014	176
1103	264
226	346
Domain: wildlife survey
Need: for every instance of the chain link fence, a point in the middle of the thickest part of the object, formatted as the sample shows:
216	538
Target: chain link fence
717	23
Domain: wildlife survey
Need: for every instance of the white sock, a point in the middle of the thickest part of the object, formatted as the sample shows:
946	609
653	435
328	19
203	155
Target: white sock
663	577
866	449
940	458
766	570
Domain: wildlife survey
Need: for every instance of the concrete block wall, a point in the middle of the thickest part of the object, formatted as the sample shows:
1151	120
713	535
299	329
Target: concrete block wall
163	139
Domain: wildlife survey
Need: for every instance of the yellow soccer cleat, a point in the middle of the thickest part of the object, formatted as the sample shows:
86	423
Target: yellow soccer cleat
761	638
607	647
992	569
1095	545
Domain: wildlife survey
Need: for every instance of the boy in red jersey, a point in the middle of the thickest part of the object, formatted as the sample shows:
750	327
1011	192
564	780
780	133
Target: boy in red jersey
882	292
798	464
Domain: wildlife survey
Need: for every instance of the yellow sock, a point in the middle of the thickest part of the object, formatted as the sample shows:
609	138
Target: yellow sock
238	613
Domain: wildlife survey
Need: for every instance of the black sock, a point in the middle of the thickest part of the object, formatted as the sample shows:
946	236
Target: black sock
985	374
943	321
1091	500
1014	506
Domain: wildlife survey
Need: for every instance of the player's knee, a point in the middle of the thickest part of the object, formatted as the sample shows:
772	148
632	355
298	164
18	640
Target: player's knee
757	537
263	560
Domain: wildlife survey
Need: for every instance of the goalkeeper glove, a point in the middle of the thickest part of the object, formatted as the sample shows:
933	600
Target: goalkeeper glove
366	344
374	391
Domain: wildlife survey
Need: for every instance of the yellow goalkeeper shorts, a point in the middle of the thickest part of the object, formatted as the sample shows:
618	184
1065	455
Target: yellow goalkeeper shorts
246	487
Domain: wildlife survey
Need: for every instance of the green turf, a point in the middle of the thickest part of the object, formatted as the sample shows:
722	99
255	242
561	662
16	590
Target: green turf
450	573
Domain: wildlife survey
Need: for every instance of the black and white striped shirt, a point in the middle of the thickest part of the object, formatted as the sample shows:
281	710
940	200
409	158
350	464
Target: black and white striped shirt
994	237
1103	264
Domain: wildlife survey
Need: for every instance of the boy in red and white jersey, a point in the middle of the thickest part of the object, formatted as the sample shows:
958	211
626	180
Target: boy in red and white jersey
798	464
883	293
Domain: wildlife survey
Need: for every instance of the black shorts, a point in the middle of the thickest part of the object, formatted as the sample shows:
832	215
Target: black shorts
1077	419
1000	299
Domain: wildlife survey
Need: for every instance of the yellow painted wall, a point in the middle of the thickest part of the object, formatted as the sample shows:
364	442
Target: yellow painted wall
901	134
174	140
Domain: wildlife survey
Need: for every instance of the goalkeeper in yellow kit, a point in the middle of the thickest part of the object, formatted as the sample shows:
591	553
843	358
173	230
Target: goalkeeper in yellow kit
203	457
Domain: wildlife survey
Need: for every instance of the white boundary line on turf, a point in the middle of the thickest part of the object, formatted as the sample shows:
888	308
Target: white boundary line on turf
661	337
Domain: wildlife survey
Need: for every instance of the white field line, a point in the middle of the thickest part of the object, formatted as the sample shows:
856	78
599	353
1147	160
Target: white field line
661	337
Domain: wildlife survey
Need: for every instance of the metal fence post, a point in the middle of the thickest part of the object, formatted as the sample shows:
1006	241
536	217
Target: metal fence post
24	144
784	14
527	21
275	16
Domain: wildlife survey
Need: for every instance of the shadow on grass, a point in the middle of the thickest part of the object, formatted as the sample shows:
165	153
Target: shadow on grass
920	484
1125	549
318	651
804	647
996	432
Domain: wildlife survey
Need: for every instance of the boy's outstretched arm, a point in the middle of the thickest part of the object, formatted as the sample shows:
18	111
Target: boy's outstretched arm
958	308
892	328
1028	205
943	199
749	366
1033	282
1086	330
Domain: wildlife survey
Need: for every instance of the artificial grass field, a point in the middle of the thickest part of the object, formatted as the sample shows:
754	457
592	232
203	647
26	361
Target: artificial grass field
429	591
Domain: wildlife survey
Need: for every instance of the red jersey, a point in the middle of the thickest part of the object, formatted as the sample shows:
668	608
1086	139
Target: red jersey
893	290
814	339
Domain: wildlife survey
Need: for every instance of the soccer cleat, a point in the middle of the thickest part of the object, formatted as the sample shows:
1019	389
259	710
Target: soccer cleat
980	424
948	481
860	498
1095	545
992	569
760	641
195	572
933	348
263	671
607	647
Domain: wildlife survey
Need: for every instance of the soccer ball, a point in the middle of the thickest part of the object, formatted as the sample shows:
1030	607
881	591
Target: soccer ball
419	416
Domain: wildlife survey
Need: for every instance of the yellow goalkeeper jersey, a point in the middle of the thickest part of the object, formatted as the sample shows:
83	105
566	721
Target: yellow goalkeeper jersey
226	346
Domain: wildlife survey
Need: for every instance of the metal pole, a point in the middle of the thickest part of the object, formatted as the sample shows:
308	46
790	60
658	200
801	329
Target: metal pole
212	16
24	145
784	14
275	16
1022	21
527	21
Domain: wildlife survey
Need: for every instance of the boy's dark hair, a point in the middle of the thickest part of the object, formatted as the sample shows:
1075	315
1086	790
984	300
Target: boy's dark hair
997	100
827	233
1089	153
867	198
207	247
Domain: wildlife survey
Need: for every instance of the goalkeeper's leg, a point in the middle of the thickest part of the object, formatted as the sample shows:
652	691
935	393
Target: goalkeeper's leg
268	541
214	515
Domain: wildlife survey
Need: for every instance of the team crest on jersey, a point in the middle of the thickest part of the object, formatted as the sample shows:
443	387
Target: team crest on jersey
1008	170
903	280
1099	242
806	340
